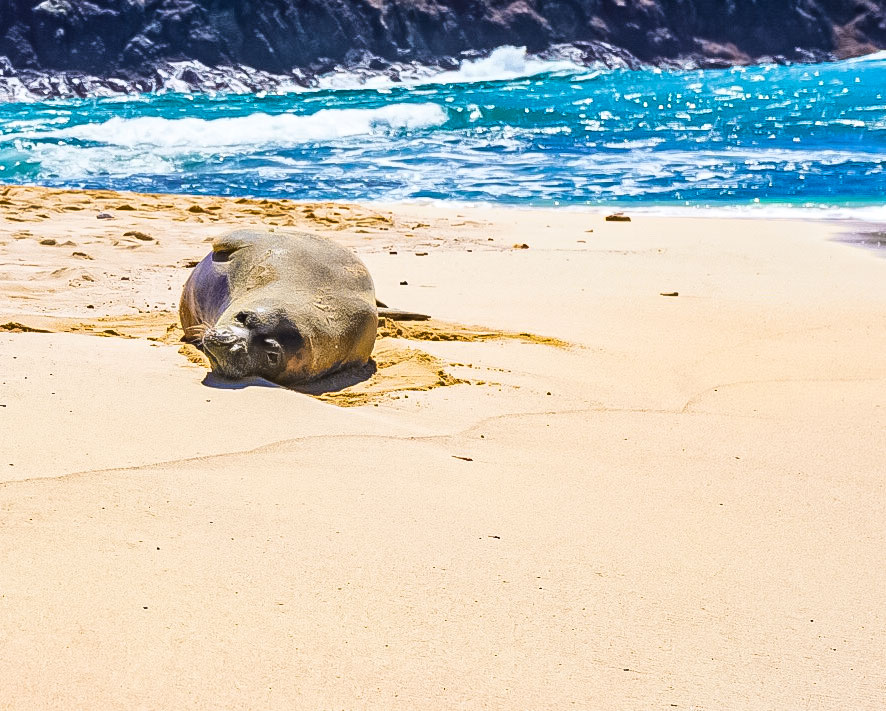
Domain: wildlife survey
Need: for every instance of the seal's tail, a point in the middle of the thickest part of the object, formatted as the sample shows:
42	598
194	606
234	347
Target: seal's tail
384	311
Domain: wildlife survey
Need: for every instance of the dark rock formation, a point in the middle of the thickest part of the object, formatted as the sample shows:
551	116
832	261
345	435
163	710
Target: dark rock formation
133	39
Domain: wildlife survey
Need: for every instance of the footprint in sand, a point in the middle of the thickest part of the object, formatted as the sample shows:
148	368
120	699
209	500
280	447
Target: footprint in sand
144	237
56	274
85	277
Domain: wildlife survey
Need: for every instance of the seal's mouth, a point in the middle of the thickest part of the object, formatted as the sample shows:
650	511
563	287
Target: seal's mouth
228	353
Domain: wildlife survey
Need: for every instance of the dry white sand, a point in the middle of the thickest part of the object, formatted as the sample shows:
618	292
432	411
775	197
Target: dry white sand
684	508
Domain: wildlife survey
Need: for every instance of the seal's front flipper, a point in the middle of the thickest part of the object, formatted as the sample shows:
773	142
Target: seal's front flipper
398	315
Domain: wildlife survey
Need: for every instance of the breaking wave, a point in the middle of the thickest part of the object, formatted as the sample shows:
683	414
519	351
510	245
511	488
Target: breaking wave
509	128
503	64
258	129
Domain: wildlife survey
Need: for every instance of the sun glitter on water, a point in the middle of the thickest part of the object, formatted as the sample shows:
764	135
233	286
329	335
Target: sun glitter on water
505	129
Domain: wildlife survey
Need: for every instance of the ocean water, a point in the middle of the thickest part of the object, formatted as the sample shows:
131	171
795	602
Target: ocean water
506	129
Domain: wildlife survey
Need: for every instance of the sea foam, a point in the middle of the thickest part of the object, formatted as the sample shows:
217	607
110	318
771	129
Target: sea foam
503	64
867	58
258	129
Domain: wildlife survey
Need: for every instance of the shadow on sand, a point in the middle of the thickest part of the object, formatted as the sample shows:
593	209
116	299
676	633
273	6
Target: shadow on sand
869	240
211	380
330	384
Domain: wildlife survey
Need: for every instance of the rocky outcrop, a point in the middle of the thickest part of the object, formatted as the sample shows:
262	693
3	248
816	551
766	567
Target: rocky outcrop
133	39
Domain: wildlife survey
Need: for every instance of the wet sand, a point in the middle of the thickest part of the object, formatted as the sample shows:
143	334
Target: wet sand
630	465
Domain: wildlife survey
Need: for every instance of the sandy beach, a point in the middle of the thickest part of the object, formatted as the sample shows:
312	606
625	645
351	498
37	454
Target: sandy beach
627	465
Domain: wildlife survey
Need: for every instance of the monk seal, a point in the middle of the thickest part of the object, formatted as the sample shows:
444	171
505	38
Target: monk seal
290	307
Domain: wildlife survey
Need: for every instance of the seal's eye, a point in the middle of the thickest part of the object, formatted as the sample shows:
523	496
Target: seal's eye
273	358
242	317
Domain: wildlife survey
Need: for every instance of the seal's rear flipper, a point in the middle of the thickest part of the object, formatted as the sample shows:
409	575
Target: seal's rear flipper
398	315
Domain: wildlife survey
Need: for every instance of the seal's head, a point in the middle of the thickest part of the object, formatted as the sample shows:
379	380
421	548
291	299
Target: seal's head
254	342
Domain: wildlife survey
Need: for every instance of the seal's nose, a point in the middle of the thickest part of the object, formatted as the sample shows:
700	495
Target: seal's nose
224	342
227	352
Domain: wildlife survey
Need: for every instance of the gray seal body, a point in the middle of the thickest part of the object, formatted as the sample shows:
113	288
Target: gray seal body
290	307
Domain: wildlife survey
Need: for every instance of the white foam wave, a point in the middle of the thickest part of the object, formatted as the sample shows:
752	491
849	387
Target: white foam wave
873	214
73	164
257	129
873	57
782	211
627	144
502	64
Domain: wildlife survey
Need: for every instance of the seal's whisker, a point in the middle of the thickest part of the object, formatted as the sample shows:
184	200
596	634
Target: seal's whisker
194	334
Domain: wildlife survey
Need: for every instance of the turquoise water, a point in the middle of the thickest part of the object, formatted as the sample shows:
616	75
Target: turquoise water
507	129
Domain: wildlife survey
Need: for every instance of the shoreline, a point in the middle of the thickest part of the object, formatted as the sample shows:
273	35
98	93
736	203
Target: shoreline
673	496
872	212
